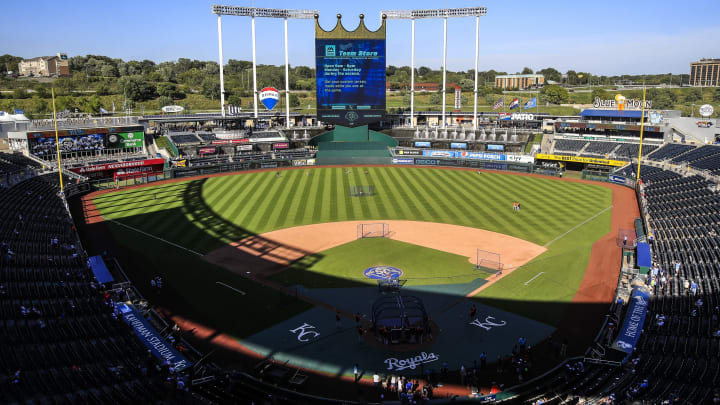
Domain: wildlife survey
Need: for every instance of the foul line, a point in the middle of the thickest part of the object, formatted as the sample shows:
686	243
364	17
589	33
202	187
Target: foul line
577	226
232	288
156	237
536	276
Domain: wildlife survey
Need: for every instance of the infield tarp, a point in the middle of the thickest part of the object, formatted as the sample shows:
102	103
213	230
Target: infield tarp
151	338
634	320
100	270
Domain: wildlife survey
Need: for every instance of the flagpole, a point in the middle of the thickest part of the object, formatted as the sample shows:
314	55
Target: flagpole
57	140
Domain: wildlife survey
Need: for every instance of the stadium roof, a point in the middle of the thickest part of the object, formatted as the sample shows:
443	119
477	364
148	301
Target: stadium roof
611	113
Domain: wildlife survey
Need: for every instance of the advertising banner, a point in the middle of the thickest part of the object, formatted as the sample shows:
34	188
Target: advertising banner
495	166
127	140
243	148
229	141
402	161
427	162
614	178
458	99
520	158
408	152
458	145
481	155
281	145
207	151
119	165
439	153
634	319
580	159
496	147
151	338
422	144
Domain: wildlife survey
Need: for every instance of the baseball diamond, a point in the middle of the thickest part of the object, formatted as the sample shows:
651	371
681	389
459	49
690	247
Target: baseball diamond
304	256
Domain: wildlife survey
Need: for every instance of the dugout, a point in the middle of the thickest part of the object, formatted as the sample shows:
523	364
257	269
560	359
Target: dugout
358	145
399	318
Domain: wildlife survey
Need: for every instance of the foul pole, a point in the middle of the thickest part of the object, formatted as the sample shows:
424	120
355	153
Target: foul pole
222	79
642	132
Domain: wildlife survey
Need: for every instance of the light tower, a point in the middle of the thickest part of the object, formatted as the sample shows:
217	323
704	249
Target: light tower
253	12
443	13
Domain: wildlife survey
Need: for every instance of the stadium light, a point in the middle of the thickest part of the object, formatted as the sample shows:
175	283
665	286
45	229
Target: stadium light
253	12
443	13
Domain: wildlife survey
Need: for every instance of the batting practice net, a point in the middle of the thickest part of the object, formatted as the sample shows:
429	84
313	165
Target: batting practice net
488	261
376	230
361	191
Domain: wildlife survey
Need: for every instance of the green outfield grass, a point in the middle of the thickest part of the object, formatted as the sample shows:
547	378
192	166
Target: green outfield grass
420	265
202	215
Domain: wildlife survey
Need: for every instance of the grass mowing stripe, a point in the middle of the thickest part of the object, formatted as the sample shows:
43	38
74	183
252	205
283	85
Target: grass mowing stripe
381	195
417	194
389	195
360	209
327	197
298	206
373	203
466	204
237	198
349	210
248	213
278	206
333	196
228	197
455	206
280	218
258	221
320	201
306	209
477	193
405	197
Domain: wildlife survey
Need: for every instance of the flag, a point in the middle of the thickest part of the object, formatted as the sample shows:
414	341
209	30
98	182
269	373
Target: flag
103	111
113	106
498	104
515	104
532	103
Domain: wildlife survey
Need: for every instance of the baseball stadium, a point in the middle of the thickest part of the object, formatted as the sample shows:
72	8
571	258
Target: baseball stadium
354	253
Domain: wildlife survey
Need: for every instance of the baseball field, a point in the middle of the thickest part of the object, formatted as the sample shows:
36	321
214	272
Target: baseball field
183	230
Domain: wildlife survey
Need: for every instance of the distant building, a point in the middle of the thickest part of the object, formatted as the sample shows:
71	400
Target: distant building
706	72
519	81
45	66
423	87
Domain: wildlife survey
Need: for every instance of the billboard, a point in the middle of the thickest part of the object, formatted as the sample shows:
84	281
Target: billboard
350	69
402	161
580	159
496	147
422	144
281	145
41	143
206	151
458	145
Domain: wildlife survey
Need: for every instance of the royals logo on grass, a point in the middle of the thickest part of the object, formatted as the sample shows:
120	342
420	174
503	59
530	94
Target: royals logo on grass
382	272
269	96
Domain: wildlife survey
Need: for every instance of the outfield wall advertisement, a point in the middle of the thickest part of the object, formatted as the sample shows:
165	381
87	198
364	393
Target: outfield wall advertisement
478	155
580	159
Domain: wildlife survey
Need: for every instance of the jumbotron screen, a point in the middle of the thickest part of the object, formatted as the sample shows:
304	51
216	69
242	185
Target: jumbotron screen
350	80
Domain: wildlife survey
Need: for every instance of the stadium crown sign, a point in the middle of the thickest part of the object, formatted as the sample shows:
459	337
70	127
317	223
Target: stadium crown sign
621	103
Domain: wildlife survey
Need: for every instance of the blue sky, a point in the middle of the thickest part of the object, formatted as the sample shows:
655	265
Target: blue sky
603	37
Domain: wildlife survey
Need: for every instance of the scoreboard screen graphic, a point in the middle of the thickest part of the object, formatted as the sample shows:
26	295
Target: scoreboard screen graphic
350	80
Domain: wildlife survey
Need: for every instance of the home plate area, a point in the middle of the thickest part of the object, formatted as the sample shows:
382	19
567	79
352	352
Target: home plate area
316	340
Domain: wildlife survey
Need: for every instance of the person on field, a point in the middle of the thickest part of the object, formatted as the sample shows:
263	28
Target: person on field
473	312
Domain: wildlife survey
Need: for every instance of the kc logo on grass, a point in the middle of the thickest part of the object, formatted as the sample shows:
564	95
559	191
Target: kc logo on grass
488	324
382	272
303	330
269	96
410	362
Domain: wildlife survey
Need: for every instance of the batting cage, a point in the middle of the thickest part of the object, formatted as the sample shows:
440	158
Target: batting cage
390	285
376	230
361	191
400	319
488	261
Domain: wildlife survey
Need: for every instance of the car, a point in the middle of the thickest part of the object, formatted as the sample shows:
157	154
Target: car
704	124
